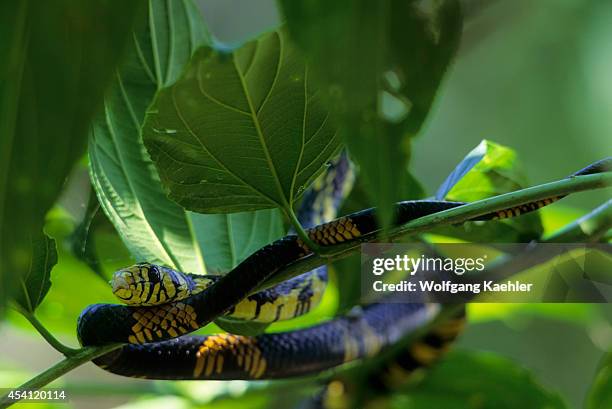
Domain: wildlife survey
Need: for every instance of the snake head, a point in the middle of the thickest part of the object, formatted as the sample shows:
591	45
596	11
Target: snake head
134	285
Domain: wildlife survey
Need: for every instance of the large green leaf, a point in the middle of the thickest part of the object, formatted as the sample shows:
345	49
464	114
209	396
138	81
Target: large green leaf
57	58
380	64
233	237
489	169
465	380
36	283
241	130
153	227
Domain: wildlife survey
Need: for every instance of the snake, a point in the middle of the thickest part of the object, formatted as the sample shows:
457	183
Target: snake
164	304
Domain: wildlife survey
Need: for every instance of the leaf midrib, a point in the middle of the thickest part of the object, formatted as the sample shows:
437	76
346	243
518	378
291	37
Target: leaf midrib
45	271
214	157
303	145
286	204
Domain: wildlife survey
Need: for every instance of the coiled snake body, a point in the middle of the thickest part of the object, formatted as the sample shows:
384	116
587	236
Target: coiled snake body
158	349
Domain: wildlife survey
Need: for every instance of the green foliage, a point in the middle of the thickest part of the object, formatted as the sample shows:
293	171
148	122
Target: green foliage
591	227
236	236
35	284
229	130
66	299
57	58
477	380
380	64
223	395
488	170
348	267
600	394
241	327
241	130
496	171
153	227
475	156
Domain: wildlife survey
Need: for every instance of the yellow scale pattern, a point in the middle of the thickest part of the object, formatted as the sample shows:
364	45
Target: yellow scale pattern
284	307
516	211
424	353
133	287
334	232
172	319
372	343
247	354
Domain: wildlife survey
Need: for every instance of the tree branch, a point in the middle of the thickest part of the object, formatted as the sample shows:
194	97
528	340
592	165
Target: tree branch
451	216
591	227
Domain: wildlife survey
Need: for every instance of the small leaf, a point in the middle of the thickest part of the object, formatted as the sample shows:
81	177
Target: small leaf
74	286
600	394
241	130
36	283
472	158
489	170
477	380
498	171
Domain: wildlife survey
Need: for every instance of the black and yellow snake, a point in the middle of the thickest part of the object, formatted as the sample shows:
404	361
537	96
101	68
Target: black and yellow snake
172	304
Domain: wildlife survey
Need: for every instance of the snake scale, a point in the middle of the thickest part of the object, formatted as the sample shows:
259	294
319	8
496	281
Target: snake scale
157	347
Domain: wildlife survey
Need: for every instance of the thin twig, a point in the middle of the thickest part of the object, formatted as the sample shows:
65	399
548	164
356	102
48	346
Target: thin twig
54	342
314	247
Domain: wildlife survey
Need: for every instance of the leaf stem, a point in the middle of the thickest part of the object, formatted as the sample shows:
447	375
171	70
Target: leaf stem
44	332
591	227
314	247
78	358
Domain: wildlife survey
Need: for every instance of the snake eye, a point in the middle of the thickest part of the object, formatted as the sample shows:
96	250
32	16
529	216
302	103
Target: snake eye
154	274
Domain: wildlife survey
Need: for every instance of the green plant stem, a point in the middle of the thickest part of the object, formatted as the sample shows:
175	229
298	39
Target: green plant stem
591	227
79	357
452	216
314	247
456	215
54	342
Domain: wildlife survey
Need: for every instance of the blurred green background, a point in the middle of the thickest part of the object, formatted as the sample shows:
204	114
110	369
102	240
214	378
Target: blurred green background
534	76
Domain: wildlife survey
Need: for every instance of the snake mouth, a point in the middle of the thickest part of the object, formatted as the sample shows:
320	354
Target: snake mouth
121	287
